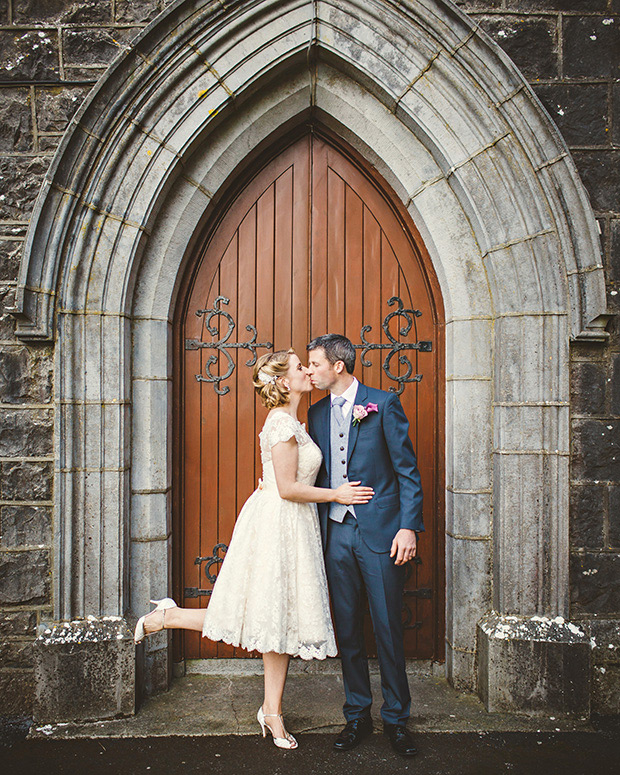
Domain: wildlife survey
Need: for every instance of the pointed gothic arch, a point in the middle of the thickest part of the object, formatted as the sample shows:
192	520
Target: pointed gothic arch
424	95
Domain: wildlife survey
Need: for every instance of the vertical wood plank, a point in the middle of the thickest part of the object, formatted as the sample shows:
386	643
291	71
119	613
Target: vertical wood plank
227	449
319	231
354	269
283	275
336	214
372	296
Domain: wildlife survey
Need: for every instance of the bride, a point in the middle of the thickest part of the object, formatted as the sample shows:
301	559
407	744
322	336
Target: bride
271	591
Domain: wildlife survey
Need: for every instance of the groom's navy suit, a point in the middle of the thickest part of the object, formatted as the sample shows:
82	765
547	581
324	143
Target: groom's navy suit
381	456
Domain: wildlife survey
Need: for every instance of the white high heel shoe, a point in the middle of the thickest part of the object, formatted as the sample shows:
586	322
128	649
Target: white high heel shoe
160	605
282	742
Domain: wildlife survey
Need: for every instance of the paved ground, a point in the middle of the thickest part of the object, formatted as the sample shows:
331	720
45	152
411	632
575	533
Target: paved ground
459	753
207	724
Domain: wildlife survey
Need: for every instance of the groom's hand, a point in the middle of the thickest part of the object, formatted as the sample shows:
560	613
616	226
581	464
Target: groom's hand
403	546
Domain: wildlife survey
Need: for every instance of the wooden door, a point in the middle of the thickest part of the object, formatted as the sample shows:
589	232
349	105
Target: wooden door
313	243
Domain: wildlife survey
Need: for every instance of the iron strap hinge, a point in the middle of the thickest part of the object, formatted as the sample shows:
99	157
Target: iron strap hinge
195	592
424	592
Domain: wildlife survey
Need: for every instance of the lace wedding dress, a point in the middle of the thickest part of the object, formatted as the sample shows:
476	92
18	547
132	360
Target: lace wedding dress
271	590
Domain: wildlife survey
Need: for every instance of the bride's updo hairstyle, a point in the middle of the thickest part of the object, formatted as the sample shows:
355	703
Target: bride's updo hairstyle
265	378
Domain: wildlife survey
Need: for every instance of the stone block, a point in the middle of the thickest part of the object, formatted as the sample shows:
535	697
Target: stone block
17	624
21	182
615	101
614	517
25	526
30	55
151	402
460	670
468	514
26	375
595	450
25	577
49	143
470	436
587	516
16	653
26	432
149	515
136	11
26	481
533	665
530	41
594	587
470	581
591	46
10	257
557	5
96	46
7	321
85	670
606	690
28	11
588	387
88	12
605	641
580	111
56	106
17	691
600	173
152	356
15	120
614	385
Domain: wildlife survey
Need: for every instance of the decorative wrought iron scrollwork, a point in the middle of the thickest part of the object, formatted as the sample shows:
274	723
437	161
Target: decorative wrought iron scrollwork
395	346
222	345
211	560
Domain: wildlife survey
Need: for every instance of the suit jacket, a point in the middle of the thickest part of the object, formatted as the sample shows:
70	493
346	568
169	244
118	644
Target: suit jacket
381	456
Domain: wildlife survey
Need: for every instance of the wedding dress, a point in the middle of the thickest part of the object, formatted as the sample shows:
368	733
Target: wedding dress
271	590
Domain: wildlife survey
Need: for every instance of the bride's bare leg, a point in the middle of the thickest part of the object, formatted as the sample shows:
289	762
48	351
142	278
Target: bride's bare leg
276	669
175	619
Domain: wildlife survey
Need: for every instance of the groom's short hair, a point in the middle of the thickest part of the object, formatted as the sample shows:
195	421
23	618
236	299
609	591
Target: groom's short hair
337	348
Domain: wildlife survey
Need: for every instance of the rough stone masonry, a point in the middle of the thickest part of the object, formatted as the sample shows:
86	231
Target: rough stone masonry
51	54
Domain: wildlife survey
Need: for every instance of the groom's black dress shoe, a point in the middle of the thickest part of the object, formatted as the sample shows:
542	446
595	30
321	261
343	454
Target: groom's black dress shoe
400	738
353	733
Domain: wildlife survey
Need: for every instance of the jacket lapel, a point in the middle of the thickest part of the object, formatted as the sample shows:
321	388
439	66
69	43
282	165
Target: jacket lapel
360	398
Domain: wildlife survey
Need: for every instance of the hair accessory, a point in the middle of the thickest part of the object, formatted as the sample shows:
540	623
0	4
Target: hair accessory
266	379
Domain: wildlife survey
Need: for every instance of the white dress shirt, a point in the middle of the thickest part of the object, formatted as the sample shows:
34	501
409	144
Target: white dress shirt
349	397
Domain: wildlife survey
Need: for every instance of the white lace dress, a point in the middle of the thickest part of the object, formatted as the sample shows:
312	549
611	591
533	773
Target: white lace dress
271	590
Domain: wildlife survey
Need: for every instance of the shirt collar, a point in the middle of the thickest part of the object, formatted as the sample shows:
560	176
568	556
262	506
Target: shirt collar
349	393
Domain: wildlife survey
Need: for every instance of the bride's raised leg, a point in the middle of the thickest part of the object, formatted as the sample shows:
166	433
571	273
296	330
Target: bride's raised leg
170	617
276	670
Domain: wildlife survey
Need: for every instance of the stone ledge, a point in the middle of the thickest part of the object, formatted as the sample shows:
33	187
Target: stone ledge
533	665
84	671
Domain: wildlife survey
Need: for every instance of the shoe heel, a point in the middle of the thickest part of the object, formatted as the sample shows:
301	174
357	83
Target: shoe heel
261	720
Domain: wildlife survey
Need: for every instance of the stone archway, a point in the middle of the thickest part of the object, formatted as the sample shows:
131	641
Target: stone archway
448	121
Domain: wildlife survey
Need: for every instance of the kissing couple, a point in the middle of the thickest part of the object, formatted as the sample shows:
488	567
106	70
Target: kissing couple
357	465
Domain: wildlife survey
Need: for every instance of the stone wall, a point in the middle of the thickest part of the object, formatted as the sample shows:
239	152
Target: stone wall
570	52
52	52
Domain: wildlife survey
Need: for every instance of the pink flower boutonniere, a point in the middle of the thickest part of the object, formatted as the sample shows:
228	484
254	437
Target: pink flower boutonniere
359	411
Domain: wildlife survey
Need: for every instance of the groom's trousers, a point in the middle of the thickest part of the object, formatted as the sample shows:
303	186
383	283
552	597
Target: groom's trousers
351	566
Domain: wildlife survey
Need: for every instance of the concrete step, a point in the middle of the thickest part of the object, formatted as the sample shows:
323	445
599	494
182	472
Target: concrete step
226	704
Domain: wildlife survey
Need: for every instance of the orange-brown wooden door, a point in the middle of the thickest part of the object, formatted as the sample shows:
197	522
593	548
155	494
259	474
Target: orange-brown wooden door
313	243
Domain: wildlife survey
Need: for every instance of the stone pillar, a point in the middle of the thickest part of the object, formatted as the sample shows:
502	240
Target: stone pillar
84	671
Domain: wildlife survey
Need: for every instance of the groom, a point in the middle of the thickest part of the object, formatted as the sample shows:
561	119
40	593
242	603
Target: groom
366	547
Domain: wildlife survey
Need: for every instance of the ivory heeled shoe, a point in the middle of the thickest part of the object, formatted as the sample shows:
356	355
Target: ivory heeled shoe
282	742
160	605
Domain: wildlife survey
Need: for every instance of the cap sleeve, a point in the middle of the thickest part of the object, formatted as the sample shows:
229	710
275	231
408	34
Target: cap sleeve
282	427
